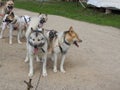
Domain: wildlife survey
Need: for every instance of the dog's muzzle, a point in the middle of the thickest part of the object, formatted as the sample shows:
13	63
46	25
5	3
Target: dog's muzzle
42	20
52	34
10	7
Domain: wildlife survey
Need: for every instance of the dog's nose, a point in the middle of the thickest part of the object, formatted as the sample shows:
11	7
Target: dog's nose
35	46
80	40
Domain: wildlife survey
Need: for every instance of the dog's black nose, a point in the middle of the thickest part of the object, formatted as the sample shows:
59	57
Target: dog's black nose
35	46
42	20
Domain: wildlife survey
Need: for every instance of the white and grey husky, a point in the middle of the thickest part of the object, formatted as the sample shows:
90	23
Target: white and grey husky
37	45
36	22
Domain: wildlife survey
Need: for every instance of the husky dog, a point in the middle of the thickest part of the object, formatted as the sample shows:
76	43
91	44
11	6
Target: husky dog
37	45
36	22
61	45
8	7
15	23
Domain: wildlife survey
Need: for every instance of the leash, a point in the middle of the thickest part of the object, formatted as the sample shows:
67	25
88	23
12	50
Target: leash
40	75
29	85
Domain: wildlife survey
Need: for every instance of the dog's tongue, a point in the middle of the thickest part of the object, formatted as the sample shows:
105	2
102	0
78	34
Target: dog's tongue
76	44
35	50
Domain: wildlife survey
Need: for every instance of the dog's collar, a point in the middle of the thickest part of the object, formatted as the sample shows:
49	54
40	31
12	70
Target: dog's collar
67	43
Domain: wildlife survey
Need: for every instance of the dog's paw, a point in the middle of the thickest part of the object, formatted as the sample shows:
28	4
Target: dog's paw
44	74
26	60
30	74
62	70
19	42
10	42
54	70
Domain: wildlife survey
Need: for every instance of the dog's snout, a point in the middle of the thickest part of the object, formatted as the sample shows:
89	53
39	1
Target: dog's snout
42	20
80	40
35	46
10	7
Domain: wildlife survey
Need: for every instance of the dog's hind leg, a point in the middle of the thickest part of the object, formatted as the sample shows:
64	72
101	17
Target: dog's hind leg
62	63
4	25
44	58
55	62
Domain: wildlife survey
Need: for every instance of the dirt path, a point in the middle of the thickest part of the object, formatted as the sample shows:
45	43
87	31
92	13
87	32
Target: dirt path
95	65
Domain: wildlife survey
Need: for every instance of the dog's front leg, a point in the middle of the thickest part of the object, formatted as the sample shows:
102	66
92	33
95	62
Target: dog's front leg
44	71
62	63
10	34
30	66
4	25
55	62
27	52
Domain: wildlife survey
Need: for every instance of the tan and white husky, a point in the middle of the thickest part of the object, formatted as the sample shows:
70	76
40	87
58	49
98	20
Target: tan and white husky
61	45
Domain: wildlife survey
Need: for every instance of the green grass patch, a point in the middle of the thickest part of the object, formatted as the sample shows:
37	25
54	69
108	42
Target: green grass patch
70	10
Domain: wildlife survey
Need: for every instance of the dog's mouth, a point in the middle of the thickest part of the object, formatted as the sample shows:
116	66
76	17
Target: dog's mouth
36	47
76	43
35	50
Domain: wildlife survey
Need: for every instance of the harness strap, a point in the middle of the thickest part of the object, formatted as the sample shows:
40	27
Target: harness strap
26	19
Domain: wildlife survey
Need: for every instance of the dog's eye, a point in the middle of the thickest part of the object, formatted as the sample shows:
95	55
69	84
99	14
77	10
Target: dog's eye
42	38
38	39
33	39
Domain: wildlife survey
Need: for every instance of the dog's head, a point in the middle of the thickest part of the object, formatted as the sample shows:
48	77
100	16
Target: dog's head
72	37
43	19
37	39
52	34
10	5
8	18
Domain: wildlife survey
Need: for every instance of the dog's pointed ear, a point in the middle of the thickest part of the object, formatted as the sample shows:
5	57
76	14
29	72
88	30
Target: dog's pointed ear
12	14
32	29
70	29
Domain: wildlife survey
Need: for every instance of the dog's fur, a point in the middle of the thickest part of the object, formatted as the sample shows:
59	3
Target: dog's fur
37	45
14	22
36	23
8	7
61	45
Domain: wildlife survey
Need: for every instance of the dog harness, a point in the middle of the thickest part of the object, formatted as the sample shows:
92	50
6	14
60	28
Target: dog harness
27	19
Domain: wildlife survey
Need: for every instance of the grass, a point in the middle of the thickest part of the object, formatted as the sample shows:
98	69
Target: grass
70	10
